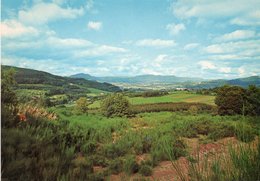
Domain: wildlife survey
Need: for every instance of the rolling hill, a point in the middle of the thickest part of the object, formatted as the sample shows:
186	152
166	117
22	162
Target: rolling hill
243	82
29	77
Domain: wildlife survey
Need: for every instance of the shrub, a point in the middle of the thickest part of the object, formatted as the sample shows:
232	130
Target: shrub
154	93
222	130
130	165
82	104
173	107
114	150
116	166
244	132
193	110
167	148
100	160
115	105
81	168
145	170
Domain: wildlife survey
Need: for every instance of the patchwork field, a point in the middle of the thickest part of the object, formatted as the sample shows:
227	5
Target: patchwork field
172	97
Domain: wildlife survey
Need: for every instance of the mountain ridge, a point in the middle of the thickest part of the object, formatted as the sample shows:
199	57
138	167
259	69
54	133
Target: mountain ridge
146	78
187	82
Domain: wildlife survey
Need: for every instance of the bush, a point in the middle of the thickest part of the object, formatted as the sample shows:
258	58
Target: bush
244	132
82	104
81	168
145	170
172	107
167	148
222	130
115	105
154	93
193	110
130	165
116	166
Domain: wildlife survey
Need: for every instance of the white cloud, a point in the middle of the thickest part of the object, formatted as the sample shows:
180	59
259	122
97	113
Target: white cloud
237	35
99	51
214	49
241	71
160	59
206	65
68	42
94	25
13	29
43	13
60	2
224	69
213	9
241	48
250	19
89	4
226	57
155	43
149	71
174	29
191	46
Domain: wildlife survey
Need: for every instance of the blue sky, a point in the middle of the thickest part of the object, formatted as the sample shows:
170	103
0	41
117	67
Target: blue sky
193	38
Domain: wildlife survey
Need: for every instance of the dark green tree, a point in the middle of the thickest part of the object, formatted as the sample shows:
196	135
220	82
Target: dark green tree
115	105
252	104
9	100
231	100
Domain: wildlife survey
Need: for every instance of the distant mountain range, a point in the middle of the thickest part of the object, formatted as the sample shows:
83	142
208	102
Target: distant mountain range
145	79
186	82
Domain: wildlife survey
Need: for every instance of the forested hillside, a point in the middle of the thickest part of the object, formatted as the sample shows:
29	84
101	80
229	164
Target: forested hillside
29	76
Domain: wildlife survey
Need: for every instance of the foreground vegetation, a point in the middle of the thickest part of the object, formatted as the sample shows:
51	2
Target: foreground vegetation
83	144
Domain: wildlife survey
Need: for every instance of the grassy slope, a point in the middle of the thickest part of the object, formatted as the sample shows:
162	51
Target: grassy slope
173	97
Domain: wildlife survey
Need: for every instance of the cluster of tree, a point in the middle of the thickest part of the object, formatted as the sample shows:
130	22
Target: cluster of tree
154	93
207	91
237	100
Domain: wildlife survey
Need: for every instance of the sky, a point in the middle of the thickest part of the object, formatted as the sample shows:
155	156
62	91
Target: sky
209	39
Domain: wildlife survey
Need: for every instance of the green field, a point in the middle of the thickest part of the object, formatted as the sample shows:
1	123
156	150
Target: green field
172	97
96	92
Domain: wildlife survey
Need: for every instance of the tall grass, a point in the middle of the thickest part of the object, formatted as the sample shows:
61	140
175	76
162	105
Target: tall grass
71	146
239	161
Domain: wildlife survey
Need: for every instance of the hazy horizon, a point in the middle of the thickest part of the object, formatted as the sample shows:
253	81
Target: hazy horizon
204	39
